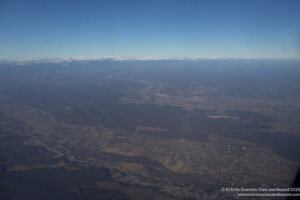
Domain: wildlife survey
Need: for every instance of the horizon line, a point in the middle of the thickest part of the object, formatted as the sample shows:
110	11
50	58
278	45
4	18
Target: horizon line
120	58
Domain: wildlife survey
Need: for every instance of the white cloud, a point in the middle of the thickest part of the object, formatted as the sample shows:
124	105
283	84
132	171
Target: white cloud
113	58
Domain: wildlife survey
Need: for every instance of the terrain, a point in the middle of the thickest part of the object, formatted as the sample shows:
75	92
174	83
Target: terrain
147	129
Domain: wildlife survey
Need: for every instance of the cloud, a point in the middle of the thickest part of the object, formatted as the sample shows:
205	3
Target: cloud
112	58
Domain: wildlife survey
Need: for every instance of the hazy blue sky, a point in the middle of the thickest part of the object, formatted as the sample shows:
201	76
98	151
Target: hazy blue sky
164	28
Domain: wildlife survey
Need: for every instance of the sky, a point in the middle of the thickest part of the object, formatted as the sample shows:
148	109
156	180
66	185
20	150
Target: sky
32	29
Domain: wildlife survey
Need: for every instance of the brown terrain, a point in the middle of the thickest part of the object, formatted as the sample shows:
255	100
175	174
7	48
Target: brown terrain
113	130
